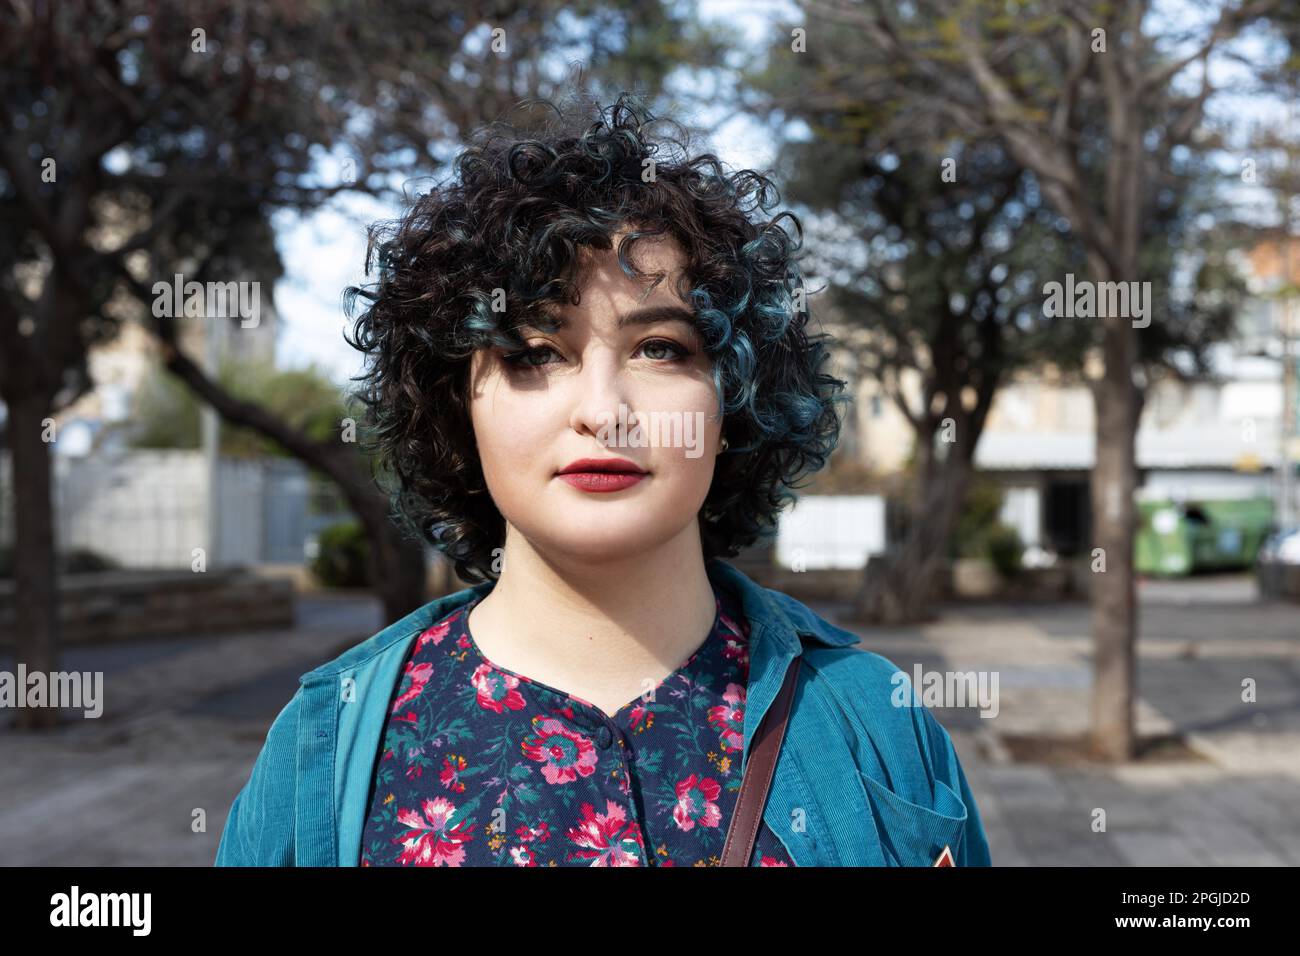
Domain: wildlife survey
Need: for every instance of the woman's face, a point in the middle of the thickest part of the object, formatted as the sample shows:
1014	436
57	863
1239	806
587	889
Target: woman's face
621	357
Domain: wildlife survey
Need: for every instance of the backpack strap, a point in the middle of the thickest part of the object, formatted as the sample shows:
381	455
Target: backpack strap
742	832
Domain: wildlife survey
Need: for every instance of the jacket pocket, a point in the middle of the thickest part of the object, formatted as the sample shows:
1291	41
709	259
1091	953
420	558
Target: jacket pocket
912	834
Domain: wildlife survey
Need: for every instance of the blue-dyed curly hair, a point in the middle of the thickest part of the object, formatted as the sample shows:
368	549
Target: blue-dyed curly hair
513	216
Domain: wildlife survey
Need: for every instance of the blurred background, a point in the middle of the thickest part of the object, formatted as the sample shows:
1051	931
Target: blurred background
1056	245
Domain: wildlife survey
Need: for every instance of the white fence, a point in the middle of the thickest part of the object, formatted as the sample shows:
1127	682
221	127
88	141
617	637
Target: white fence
149	508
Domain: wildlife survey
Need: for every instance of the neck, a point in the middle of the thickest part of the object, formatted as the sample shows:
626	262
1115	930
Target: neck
605	630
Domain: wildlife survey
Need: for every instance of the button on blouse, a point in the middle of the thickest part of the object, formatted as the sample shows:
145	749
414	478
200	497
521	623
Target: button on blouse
482	766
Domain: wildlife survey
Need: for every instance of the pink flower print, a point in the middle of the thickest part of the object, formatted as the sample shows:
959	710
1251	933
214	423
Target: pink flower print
636	715
429	842
730	624
539	834
435	634
600	840
452	765
729	719
564	754
497	691
734	649
695	803
419	675
771	861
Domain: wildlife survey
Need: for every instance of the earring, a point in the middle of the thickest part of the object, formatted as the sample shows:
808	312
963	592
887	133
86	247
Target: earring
724	446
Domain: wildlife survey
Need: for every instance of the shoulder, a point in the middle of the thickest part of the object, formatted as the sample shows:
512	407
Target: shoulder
898	740
911	775
877	704
259	827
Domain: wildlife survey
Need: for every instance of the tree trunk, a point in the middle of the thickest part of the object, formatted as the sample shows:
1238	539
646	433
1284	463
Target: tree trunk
904	590
1114	479
36	602
1113	593
397	565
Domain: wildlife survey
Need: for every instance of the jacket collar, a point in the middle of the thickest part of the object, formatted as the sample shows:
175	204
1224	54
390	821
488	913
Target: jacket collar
782	619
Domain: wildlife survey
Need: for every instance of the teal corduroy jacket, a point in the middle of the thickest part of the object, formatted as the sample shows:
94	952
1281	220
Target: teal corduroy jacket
860	781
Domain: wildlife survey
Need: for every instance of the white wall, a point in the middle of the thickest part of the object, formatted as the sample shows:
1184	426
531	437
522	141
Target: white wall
1191	485
1021	505
145	508
831	531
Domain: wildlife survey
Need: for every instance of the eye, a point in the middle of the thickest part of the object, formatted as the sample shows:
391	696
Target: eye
524	357
675	352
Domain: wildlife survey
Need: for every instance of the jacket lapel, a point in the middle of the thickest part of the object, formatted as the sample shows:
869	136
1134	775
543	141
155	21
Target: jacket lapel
338	738
794	812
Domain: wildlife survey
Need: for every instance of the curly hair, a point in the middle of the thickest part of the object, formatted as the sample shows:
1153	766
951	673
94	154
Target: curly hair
514	216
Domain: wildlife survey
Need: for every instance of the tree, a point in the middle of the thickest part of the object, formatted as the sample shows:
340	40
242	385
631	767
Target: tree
144	141
1087	97
936	294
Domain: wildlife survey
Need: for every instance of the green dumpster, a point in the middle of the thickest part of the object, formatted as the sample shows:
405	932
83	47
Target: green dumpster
1176	538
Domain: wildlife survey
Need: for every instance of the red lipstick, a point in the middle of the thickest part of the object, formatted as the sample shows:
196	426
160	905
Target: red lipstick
601	474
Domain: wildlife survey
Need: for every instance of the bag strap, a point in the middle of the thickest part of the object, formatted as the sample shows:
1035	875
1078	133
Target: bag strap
742	832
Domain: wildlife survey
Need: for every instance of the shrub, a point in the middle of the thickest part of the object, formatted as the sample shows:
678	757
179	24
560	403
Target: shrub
75	561
1005	550
83	560
979	516
342	559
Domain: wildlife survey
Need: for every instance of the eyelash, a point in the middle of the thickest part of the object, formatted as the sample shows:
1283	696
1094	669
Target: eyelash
516	359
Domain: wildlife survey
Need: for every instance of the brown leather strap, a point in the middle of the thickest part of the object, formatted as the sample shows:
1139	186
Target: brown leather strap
765	746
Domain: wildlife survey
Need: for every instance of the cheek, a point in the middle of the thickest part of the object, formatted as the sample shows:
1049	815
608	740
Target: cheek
507	423
692	460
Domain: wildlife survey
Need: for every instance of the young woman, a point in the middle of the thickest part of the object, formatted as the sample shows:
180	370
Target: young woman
591	381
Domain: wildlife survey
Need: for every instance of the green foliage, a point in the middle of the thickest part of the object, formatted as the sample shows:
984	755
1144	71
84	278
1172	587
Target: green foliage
1005	549
166	414
978	518
342	561
305	398
979	533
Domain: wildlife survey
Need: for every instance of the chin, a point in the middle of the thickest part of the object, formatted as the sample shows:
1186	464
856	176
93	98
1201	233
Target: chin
611	542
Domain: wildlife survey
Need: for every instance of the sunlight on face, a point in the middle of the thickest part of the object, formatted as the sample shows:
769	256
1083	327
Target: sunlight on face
559	401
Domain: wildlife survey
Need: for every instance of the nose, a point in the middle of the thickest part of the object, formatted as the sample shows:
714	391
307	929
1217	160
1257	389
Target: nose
600	387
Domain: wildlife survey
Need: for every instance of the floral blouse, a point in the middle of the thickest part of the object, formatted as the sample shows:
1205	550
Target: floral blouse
480	766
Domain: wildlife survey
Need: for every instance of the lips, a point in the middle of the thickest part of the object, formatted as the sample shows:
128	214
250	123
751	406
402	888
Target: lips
619	466
602	474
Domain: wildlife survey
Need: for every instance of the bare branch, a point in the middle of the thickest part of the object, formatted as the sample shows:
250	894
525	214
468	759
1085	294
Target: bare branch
1230	22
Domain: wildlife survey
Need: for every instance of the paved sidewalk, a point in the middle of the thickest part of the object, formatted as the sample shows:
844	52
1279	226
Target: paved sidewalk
1238	805
183	722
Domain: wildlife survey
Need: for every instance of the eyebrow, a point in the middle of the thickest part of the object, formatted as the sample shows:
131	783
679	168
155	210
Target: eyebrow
645	316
